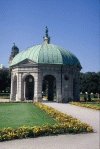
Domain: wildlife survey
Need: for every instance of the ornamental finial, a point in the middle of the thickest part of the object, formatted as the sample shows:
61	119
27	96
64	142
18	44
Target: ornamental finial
46	38
46	32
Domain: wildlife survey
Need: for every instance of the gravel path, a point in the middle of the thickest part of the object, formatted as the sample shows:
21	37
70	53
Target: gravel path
68	141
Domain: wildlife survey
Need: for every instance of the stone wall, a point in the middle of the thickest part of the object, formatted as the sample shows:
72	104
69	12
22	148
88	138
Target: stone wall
64	75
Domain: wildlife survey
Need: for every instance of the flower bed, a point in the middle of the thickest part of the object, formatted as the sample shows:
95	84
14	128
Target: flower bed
66	124
87	105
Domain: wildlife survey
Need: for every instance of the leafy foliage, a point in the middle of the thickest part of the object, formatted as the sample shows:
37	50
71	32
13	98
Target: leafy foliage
90	82
5	79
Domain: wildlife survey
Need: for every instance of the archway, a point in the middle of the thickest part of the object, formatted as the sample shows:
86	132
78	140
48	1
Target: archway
49	87
29	89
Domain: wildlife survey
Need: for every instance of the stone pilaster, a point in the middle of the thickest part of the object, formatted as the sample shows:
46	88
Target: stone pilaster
70	87
76	89
19	87
24	90
59	88
65	93
38	87
12	85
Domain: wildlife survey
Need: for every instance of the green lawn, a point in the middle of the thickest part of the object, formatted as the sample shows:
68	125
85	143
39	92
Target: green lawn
93	104
19	114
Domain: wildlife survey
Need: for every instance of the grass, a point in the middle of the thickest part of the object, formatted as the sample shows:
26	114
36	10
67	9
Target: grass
92	105
18	114
38	122
5	95
95	102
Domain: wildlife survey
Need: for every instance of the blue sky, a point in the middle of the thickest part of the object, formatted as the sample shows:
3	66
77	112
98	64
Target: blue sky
72	24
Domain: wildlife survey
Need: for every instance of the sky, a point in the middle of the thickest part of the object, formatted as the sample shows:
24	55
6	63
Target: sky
72	24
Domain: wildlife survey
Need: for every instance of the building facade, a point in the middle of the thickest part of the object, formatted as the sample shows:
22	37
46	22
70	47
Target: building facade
45	68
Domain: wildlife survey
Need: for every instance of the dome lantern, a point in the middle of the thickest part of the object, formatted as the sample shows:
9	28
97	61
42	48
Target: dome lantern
46	39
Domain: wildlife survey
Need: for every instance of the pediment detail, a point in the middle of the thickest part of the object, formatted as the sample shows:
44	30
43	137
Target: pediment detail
27	62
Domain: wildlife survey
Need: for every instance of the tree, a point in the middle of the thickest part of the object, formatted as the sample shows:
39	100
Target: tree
83	83
5	79
98	82
90	82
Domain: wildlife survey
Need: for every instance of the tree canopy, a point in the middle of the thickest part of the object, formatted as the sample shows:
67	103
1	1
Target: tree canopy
90	82
5	79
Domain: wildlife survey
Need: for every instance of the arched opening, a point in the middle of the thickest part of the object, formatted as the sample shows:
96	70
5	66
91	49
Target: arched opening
15	87
29	89
49	87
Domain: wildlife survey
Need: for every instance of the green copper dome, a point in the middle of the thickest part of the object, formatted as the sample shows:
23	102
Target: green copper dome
46	54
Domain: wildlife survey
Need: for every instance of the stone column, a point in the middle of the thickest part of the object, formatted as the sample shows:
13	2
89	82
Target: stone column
76	89
12	82
24	90
59	88
13	87
19	87
70	87
65	92
38	87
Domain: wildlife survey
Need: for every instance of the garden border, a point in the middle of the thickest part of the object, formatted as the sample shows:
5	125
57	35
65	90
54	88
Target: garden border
66	124
86	105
